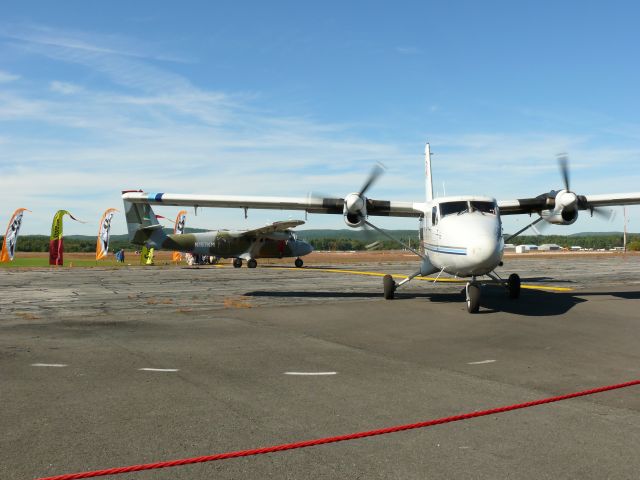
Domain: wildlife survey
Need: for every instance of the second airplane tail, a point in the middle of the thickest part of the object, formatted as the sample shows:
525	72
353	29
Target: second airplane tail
142	225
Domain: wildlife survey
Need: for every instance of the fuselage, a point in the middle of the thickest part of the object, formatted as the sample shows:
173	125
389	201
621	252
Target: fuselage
462	236
234	244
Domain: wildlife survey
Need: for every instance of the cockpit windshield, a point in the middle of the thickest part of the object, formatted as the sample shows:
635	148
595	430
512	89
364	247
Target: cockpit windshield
449	208
483	206
293	236
463	206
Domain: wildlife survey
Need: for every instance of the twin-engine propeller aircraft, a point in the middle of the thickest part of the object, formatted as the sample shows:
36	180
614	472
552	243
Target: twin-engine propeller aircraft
272	241
461	235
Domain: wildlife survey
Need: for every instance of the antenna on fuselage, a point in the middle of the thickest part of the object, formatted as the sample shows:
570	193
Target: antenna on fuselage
427	173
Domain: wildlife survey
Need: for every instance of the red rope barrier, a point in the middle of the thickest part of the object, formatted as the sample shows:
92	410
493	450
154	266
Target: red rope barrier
341	438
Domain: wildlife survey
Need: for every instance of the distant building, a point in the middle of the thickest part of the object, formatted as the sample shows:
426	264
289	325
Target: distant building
526	248
575	248
550	247
509	247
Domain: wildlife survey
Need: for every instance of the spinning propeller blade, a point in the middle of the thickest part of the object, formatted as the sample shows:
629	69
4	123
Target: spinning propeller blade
376	171
563	162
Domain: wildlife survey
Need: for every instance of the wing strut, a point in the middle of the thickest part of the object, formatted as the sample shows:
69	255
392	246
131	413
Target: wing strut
523	229
379	230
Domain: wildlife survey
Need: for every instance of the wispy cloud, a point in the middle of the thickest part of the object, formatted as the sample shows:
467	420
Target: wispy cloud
408	50
6	77
64	88
79	41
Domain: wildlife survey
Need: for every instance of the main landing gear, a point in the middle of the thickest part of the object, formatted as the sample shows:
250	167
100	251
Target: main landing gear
298	263
472	290
251	263
390	286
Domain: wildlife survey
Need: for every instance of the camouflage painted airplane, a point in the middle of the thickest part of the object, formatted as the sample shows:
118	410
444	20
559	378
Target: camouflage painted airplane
271	241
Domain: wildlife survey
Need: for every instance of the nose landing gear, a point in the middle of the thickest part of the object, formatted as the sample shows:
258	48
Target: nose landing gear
473	296
298	263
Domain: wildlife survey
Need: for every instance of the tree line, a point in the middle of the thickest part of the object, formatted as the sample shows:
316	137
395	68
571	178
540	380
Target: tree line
40	243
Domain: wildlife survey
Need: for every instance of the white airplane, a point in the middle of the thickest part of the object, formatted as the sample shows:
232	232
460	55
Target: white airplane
460	235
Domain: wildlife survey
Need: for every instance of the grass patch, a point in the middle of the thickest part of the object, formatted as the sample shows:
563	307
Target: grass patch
19	262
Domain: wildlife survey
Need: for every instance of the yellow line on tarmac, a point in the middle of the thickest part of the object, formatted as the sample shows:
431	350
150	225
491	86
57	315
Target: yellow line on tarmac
428	279
551	289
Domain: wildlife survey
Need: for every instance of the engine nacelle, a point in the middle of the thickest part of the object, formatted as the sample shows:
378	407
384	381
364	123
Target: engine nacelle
565	211
355	210
560	216
566	200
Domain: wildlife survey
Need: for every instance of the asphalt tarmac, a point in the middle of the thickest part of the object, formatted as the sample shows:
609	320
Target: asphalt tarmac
112	367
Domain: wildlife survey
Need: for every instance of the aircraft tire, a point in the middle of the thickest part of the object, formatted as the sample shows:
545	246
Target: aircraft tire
514	285
237	262
389	287
252	263
473	297
298	263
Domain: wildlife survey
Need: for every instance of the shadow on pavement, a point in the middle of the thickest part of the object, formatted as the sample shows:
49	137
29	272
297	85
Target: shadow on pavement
532	303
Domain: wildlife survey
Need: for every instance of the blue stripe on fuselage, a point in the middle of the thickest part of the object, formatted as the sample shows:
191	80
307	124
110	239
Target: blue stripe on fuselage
448	250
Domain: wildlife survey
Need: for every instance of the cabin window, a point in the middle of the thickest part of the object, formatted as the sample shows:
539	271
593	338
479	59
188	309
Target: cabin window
485	207
434	216
449	208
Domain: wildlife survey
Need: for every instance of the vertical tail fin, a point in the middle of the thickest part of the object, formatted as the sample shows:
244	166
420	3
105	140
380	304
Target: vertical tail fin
427	173
142	224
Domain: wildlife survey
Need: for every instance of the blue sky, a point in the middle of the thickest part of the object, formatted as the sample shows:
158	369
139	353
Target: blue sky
287	98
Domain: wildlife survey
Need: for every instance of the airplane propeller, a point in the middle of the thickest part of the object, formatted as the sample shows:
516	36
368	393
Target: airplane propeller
571	199
376	172
565	200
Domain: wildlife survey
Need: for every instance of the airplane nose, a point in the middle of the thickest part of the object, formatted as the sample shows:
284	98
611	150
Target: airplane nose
482	248
302	249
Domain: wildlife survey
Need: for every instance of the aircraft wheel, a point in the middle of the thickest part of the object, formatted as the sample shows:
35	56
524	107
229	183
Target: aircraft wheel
298	263
252	263
389	287
237	262
473	297
514	285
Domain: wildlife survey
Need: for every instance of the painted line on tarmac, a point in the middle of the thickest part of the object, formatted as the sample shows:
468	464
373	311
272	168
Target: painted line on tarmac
310	373
159	369
55	365
481	362
551	289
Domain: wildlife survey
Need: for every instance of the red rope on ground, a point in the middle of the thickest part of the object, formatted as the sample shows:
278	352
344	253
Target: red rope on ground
341	438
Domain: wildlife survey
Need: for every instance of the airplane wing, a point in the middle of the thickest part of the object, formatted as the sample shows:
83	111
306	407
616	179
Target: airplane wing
547	202
308	204
274	227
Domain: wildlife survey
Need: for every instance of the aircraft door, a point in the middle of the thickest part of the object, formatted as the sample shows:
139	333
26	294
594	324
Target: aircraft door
433	237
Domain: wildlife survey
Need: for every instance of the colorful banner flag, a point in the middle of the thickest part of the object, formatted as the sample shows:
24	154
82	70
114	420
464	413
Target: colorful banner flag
146	256
56	247
102	245
11	236
179	229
